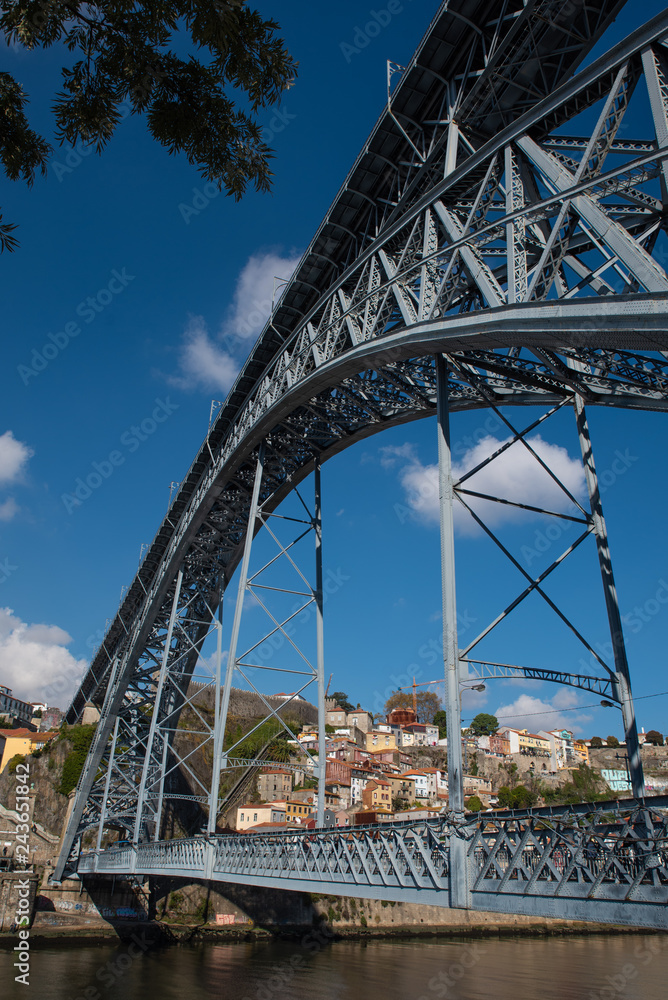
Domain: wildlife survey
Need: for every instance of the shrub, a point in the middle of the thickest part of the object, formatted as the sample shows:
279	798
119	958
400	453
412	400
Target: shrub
612	741
204	911
80	739
596	742
516	798
14	762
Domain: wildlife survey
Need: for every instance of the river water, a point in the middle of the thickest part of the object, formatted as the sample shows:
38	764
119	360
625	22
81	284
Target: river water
631	967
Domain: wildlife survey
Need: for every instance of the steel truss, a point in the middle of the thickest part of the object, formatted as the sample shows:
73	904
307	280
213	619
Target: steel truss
478	227
607	863
617	685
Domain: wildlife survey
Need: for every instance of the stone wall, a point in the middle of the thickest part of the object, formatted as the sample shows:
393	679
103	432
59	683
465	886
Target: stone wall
10	884
91	903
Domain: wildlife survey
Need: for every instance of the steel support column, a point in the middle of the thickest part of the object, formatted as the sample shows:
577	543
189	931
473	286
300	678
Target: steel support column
623	679
149	762
220	759
219	731
320	653
458	859
107	782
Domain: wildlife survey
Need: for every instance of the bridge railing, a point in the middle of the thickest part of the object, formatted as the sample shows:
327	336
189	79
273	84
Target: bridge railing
603	861
615	851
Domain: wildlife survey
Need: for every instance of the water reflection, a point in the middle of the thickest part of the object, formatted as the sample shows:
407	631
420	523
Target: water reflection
627	967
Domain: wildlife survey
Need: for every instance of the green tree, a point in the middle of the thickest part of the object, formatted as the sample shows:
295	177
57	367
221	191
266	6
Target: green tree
596	742
474	804
124	61
519	797
612	741
484	724
583	787
441	720
341	699
654	737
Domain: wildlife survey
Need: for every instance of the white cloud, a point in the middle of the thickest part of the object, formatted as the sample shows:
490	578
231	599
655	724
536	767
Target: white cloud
514	475
8	509
14	456
256	289
527	712
391	454
203	362
213	362
34	662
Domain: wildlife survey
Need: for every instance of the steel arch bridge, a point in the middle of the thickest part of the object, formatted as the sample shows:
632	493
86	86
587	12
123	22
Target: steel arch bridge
500	241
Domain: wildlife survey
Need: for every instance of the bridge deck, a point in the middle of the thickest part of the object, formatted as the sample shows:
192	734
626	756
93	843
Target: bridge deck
606	862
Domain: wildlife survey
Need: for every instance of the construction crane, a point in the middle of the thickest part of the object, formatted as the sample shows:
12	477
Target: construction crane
421	684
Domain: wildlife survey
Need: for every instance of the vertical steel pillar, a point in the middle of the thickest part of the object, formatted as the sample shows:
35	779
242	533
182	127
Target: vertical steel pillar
320	656
458	857
622	679
218	733
107	783
161	790
148	759
219	738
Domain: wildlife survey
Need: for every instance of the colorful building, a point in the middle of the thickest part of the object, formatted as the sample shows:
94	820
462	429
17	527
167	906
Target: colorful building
378	740
377	795
20	741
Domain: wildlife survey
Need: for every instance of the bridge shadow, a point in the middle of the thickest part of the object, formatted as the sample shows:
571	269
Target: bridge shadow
199	901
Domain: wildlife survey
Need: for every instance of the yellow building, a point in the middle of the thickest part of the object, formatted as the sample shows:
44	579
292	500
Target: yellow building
533	744
377	740
20	741
298	812
377	795
582	751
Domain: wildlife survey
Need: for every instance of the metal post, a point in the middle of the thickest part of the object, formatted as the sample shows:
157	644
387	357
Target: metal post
107	782
458	857
156	709
320	661
218	733
161	787
221	761
622	676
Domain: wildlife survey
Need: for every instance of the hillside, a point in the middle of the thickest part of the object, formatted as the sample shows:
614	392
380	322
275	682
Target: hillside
54	771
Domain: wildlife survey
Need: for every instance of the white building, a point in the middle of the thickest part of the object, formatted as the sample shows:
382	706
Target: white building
250	814
426	783
359	776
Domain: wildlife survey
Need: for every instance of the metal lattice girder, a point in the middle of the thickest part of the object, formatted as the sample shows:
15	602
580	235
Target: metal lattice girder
454	203
481	669
606	862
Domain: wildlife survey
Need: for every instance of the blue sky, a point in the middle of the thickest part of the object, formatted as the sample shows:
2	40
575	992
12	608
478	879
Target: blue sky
136	282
